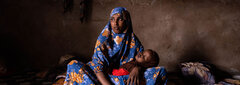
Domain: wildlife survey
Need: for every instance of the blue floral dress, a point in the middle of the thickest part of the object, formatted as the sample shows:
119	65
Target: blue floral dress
121	49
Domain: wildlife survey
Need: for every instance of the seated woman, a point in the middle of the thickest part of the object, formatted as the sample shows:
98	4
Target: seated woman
122	45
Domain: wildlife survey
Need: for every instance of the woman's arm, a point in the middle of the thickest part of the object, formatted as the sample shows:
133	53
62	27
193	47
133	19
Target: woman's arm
100	75
134	76
102	78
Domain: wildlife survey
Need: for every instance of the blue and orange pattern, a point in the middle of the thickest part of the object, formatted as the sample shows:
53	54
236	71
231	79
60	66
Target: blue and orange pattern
121	49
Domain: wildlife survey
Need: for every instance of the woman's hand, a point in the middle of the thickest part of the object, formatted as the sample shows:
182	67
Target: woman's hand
134	76
103	79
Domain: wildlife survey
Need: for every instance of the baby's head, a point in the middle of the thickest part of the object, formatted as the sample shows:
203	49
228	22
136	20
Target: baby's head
147	58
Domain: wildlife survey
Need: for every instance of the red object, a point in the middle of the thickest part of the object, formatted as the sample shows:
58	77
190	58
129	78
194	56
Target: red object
119	72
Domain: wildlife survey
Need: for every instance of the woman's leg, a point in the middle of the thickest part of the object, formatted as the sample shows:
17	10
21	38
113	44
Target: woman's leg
153	76
156	75
77	75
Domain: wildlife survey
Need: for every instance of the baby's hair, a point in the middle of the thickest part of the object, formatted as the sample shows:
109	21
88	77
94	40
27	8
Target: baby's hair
155	57
154	60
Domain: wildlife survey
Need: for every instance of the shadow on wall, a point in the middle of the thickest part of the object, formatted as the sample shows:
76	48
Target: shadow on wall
12	55
180	31
196	54
85	8
34	34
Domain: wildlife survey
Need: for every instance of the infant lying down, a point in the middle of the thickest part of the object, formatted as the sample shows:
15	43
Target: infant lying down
144	60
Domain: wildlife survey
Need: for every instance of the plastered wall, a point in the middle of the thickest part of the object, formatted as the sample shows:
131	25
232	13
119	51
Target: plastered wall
35	33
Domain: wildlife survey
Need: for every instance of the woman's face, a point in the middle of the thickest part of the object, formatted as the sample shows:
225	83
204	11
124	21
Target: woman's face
117	23
144	56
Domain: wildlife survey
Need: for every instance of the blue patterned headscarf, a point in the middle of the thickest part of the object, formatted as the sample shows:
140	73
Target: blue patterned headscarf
119	10
121	47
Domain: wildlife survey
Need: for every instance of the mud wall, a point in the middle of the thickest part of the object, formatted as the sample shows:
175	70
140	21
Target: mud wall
35	33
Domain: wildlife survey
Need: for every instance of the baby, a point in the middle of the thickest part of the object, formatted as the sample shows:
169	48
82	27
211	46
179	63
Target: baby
145	59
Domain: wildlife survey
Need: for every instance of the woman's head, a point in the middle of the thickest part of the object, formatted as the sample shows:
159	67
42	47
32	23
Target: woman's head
120	20
147	58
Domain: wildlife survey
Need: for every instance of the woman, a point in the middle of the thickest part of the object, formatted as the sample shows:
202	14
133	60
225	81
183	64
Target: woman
122	45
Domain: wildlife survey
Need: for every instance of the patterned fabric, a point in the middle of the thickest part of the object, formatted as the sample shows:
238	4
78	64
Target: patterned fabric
120	72
80	74
156	75
199	72
121	49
